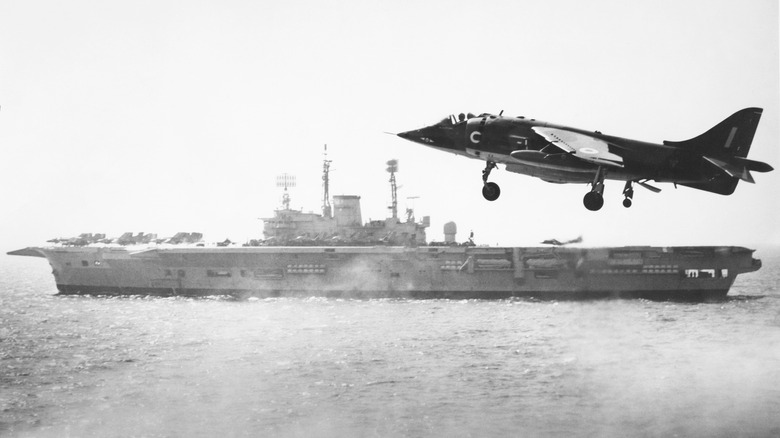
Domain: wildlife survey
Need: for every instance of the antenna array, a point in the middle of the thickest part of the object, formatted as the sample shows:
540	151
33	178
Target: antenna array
285	180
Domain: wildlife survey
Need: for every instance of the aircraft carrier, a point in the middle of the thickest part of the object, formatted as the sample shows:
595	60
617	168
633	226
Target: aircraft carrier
335	254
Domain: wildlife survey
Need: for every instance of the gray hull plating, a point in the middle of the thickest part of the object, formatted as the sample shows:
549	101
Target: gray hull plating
684	273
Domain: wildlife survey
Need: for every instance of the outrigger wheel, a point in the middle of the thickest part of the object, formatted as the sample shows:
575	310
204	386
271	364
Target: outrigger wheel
490	190
628	192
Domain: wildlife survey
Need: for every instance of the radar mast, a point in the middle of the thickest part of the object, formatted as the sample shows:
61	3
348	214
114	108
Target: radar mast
326	210
392	167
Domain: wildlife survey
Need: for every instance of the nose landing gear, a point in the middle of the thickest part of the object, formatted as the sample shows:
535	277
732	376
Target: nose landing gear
490	190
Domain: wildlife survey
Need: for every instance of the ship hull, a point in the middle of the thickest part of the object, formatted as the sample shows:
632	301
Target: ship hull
658	273
655	295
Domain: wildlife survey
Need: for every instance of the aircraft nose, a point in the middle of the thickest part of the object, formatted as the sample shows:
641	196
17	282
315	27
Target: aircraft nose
413	135
433	136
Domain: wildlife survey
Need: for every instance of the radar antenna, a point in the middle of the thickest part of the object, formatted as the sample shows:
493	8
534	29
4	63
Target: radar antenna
392	167
326	210
285	180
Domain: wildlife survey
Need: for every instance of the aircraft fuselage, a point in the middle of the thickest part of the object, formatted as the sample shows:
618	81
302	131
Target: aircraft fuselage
562	154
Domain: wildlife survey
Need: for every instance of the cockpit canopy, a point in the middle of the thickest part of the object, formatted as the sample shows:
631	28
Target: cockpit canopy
453	119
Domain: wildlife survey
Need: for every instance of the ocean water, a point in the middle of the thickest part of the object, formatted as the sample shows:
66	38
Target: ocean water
174	367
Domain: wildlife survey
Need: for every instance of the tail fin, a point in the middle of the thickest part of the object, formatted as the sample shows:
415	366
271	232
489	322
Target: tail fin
725	147
731	137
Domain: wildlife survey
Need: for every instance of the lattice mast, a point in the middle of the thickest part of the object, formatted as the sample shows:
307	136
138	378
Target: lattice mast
326	209
392	167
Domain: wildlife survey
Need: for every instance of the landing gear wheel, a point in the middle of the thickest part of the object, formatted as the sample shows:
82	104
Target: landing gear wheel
628	192
491	191
593	201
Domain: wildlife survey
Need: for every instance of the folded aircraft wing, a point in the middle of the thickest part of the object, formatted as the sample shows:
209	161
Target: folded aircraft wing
582	146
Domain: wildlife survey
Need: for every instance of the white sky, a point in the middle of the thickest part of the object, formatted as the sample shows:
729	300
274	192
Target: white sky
166	116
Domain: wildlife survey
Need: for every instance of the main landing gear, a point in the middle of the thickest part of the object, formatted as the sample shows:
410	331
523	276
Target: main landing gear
490	190
628	192
594	199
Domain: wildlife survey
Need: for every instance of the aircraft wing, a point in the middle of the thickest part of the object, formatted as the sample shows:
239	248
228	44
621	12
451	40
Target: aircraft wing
582	146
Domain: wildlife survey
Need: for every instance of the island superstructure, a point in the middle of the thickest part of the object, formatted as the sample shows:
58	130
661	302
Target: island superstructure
342	224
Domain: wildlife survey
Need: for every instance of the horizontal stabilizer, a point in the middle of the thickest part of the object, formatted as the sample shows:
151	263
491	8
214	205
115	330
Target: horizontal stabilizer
733	170
756	166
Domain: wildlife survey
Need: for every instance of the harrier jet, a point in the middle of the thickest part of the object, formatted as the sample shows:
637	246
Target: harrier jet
714	161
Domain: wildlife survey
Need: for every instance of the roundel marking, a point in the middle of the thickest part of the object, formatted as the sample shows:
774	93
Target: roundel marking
475	136
589	151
